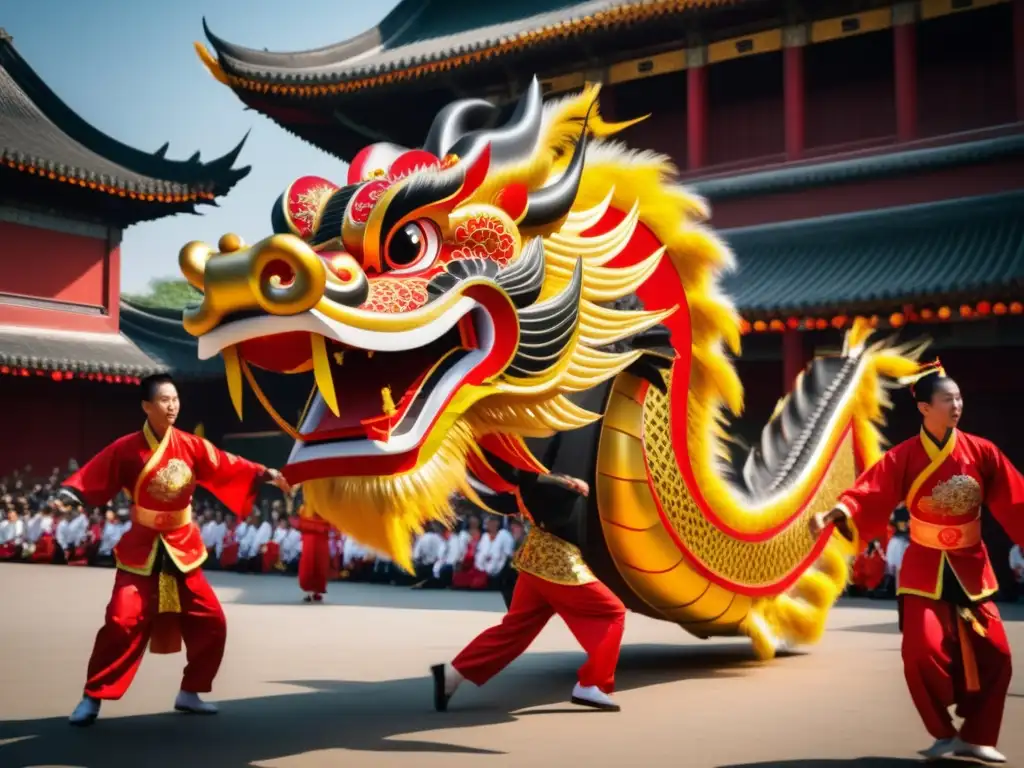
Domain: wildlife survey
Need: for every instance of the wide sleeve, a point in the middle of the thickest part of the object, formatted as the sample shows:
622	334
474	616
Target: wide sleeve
99	480
1004	493
876	493
233	480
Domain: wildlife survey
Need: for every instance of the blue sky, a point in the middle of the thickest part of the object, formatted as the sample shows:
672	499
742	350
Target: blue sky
129	68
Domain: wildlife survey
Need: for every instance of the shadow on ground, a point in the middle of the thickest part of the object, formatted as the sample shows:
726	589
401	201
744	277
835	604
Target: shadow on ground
336	714
857	762
271	589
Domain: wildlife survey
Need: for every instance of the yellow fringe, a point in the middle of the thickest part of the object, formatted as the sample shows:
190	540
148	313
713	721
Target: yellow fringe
169	599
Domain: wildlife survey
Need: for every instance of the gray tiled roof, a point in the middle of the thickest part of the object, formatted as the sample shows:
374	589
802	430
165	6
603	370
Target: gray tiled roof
418	32
161	335
73	352
38	130
971	248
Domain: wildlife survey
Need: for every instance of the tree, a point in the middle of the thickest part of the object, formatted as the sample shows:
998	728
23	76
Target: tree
167	293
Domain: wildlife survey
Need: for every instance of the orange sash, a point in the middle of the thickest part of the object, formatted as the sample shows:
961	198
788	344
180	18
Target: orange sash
945	537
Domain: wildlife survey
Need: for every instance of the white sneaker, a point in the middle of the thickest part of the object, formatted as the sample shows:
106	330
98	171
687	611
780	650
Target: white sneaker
940	749
193	705
86	712
978	752
592	696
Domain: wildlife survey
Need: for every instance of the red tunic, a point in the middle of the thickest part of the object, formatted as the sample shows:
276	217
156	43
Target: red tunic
943	489
161	476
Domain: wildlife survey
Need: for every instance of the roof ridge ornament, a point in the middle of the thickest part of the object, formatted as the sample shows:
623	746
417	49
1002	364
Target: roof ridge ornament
5	36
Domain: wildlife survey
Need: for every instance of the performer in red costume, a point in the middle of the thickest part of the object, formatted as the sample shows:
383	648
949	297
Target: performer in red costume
315	561
955	649
160	594
552	579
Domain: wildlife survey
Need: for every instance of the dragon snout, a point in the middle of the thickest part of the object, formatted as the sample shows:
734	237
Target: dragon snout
280	275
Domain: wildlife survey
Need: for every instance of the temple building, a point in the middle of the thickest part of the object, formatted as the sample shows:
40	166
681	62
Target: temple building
862	157
69	346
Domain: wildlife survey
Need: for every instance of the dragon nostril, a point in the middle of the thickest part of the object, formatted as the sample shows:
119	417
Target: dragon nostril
277	273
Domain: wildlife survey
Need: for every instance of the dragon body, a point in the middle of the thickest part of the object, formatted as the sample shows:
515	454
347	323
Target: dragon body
531	296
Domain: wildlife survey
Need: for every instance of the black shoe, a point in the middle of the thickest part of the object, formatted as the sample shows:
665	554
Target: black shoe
440	697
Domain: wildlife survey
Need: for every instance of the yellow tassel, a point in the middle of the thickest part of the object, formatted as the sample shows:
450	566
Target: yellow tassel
170	600
387	403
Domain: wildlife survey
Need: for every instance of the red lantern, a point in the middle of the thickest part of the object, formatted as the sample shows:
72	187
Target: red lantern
999	308
56	376
744	329
760	326
896	319
23	372
927	314
821	324
117	379
792	323
1016	308
965	311
983	308
776	325
4	370
944	313
839	321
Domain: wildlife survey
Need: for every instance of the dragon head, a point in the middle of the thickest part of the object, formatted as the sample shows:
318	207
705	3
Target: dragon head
446	300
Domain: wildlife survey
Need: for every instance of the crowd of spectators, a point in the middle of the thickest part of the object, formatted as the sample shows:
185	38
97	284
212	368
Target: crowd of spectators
39	527
476	554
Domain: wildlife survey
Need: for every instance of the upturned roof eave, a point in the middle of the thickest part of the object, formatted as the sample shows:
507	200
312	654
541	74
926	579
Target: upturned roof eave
150	176
312	73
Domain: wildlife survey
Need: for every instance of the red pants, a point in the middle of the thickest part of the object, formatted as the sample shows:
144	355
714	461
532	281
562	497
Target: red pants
121	642
314	563
934	668
593	614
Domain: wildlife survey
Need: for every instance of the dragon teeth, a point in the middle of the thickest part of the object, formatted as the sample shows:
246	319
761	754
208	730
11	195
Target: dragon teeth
233	372
322	372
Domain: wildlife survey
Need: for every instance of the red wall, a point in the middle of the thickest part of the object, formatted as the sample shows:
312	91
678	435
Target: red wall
964	74
966	71
745	120
665	130
849	104
72	269
56	421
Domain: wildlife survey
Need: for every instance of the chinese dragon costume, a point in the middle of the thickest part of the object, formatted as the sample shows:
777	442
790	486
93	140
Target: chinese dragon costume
525	297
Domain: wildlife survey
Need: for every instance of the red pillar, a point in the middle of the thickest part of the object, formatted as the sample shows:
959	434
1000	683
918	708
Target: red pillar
795	356
905	42
1018	54
697	115
793	95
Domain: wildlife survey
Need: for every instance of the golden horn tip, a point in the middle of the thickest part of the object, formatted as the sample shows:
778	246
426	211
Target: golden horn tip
230	243
211	63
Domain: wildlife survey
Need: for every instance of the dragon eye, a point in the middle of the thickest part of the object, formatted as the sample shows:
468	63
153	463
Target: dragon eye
414	247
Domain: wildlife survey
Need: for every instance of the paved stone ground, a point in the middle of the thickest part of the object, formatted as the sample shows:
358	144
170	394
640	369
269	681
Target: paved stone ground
345	683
